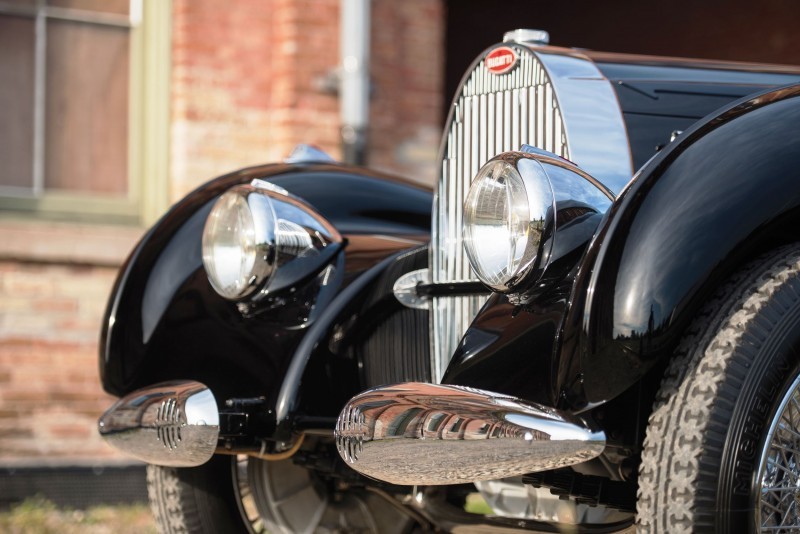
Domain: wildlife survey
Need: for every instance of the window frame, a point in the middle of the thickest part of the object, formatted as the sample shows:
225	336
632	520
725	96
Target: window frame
150	49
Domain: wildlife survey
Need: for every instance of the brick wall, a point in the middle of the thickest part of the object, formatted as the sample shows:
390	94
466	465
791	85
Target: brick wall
50	396
220	92
408	76
247	82
243	84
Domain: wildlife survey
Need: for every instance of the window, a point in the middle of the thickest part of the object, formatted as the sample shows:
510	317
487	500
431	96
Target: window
83	95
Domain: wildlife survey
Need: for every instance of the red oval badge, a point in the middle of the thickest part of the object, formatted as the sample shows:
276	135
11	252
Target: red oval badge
500	60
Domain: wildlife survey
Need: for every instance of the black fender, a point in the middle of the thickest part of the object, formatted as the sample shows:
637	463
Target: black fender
728	189
164	320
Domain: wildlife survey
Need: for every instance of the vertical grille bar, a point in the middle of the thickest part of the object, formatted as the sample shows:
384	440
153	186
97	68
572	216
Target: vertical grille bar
491	114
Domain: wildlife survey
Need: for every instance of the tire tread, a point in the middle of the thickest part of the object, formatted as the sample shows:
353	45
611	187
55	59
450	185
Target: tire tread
194	500
687	428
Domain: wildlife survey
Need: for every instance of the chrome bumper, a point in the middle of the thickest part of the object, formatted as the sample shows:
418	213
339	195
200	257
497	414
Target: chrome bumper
173	424
424	434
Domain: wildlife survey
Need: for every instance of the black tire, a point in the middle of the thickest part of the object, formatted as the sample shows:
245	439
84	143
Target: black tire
708	432
194	500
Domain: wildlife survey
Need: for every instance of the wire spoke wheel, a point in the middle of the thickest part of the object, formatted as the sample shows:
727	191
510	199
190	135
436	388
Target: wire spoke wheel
778	480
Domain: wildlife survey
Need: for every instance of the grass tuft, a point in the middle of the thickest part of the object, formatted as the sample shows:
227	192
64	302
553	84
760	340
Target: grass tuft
40	516
476	505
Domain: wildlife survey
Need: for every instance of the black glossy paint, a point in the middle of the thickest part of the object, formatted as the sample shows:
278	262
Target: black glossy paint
341	352
725	191
660	96
510	346
509	349
165	321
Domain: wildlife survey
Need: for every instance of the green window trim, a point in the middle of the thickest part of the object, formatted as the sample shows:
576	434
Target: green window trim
148	139
150	132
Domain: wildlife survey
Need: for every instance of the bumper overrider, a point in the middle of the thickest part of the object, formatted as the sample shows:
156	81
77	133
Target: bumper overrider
426	434
173	424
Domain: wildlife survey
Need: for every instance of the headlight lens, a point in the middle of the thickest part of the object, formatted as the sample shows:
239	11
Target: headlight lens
505	217
238	241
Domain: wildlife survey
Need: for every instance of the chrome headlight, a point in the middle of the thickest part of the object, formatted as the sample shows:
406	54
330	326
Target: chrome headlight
504	222
513	209
253	231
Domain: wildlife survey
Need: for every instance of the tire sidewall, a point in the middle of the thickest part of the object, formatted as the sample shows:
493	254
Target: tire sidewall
760	374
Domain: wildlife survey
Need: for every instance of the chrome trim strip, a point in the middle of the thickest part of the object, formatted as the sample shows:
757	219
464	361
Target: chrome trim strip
595	128
173	423
426	434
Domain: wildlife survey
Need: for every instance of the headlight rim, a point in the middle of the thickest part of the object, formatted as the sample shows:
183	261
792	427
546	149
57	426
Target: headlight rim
530	262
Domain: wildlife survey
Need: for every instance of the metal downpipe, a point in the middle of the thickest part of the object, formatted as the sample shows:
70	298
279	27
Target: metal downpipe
354	88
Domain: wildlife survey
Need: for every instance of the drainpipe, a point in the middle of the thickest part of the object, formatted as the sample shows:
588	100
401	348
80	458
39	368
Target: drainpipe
354	91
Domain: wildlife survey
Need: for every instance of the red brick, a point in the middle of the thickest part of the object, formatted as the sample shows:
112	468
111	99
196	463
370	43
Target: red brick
55	305
69	431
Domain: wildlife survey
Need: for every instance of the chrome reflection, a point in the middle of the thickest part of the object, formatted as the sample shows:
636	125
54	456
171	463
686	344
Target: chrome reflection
527	36
593	123
173	424
569	182
405	289
504	221
426	434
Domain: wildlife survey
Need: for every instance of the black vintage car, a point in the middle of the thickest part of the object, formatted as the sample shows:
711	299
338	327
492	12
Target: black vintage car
561	345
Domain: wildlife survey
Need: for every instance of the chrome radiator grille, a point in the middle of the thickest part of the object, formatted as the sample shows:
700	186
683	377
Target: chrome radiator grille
491	114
